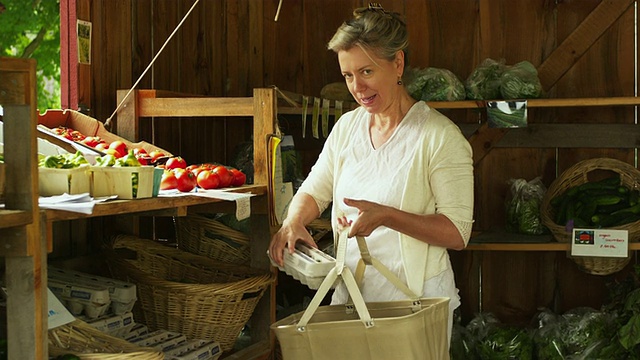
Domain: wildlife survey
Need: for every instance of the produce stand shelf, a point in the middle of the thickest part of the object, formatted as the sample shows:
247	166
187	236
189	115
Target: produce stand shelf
540	103
13	218
148	206
548	246
23	249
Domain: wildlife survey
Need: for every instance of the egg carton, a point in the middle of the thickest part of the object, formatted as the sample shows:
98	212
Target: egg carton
194	350
137	331
306	264
112	324
160	340
93	301
121	293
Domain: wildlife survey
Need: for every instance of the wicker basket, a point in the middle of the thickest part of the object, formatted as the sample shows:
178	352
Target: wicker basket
187	293
579	174
88	343
201	235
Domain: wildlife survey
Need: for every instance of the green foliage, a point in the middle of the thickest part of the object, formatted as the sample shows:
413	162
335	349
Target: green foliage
31	29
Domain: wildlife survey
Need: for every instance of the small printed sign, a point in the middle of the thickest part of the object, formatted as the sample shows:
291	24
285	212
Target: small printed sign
600	242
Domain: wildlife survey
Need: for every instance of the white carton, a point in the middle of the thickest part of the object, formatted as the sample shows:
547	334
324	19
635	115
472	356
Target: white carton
114	325
107	181
60	181
308	265
159	339
195	350
92	300
121	293
137	331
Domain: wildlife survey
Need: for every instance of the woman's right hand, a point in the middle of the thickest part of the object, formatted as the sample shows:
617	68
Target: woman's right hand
290	233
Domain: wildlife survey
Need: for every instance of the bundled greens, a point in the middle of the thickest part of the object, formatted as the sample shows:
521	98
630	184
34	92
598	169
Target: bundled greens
523	207
434	84
484	81
520	81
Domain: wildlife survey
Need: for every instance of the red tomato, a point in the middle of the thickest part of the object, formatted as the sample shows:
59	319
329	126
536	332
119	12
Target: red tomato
91	141
176	162
119	146
239	178
207	179
139	151
113	152
225	175
102	146
168	181
155	155
186	179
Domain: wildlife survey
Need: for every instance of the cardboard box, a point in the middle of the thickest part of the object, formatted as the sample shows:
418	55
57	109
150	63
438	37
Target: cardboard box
59	181
89	127
107	181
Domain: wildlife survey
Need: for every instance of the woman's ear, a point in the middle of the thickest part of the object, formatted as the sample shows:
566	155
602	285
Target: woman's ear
399	62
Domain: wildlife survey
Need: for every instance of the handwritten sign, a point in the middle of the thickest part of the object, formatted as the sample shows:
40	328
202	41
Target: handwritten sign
600	242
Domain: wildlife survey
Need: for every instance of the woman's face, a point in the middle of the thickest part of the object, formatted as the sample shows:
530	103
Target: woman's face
371	80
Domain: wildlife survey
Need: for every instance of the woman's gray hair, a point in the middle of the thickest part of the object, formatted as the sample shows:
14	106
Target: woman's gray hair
375	29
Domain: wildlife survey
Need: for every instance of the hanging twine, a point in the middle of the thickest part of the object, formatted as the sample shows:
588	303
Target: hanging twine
107	123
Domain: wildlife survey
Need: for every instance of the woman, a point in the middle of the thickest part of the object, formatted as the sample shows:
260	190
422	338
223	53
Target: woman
397	171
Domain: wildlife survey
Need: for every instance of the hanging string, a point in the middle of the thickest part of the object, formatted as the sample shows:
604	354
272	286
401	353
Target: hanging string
278	11
107	123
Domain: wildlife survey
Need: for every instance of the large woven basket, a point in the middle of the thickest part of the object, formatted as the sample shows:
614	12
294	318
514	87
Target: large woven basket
581	173
187	293
202	235
88	343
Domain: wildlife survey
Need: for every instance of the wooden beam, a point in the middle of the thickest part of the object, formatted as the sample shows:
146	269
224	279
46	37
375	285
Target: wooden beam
612	136
576	44
483	140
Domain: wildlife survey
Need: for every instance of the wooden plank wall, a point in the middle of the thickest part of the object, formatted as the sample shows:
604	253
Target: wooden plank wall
226	48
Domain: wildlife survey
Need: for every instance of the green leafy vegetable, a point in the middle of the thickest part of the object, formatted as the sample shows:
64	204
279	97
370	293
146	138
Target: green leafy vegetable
520	81
484	81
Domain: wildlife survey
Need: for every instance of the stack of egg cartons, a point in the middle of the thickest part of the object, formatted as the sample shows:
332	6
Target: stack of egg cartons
175	346
102	302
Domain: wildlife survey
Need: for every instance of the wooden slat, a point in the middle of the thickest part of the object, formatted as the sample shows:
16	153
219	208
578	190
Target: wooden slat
264	123
483	140
191	107
574	46
13	218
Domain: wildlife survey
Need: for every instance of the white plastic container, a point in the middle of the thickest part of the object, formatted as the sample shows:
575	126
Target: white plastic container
308	265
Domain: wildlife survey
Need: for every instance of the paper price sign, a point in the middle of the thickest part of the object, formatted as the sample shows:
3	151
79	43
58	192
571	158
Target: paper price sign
600	242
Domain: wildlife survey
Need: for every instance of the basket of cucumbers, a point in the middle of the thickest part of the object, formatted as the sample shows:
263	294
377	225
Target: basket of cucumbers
594	193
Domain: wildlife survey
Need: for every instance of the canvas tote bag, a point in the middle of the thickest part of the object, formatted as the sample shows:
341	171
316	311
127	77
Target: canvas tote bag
414	329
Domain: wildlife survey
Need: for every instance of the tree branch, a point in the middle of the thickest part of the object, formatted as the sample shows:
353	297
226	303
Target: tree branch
33	45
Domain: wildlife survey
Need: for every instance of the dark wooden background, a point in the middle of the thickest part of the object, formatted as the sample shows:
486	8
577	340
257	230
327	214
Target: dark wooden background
582	48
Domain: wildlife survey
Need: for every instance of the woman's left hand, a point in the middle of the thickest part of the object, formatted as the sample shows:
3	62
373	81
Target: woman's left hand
370	216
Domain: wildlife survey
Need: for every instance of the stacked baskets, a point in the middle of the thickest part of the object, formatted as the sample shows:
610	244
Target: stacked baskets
204	235
188	293
89	343
579	174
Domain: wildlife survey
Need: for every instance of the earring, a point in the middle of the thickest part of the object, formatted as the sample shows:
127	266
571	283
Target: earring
400	81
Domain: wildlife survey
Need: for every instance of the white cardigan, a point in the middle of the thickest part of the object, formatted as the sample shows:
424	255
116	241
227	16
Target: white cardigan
441	170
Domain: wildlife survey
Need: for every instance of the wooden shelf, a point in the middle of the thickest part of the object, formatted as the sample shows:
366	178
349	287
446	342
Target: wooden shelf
541	103
502	241
13	218
178	204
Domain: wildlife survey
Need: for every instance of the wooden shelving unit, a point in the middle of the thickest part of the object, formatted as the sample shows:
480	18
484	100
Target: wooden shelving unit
262	107
23	248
